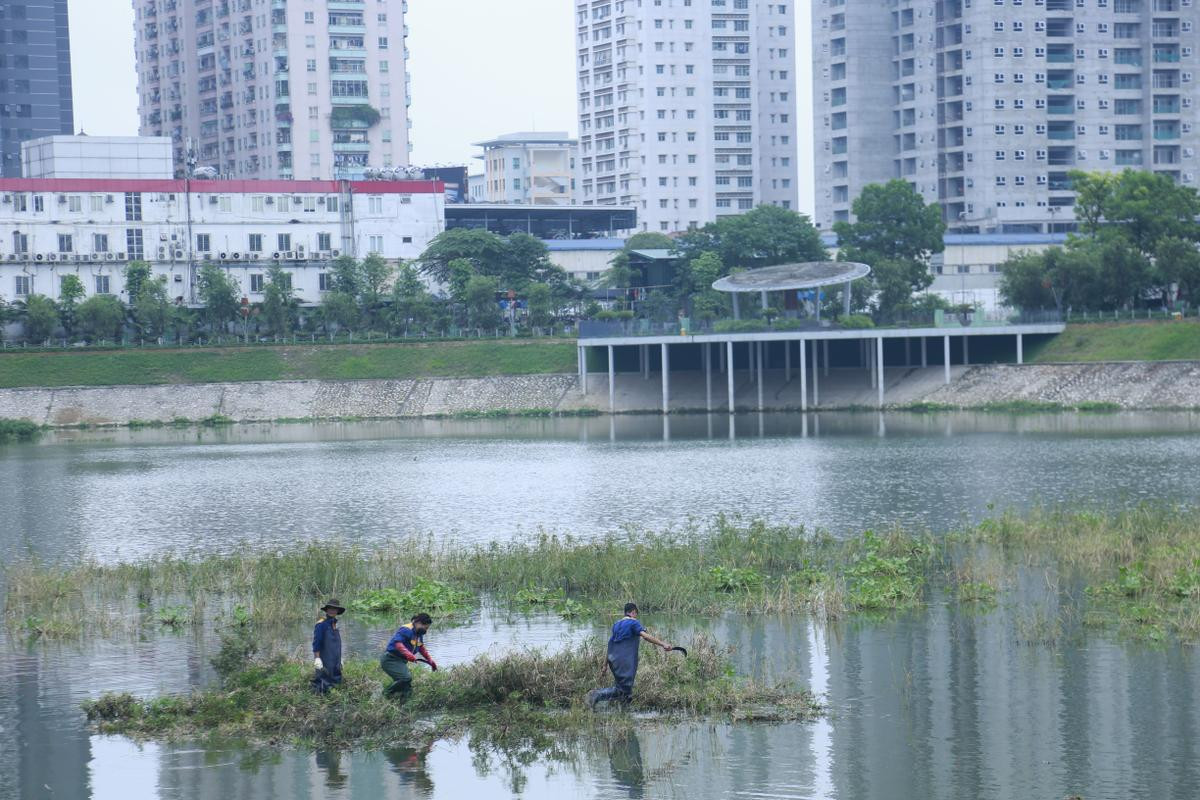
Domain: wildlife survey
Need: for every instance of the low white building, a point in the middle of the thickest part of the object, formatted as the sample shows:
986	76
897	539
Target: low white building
94	228
98	157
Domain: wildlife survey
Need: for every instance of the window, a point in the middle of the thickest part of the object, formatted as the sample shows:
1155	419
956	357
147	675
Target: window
324	241
375	204
133	206
324	282
134	244
21	285
256	282
20	242
102	285
383	43
257	203
225	203
75	204
203	242
256	243
99	242
65	243
375	244
96	203
284	240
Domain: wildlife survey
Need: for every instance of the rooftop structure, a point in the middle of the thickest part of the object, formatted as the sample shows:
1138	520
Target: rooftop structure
544	222
97	157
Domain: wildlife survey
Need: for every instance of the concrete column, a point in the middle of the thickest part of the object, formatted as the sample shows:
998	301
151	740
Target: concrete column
644	350
825	357
582	369
924	353
803	375
966	350
666	378
750	356
846	299
879	367
721	355
759	356
1020	348
764	301
612	382
708	377
816	378
787	362
729	376
737	310
873	359
908	351
946	356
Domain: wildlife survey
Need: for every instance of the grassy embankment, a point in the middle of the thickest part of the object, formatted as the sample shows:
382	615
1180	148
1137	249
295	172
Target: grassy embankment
516	696
1124	341
285	362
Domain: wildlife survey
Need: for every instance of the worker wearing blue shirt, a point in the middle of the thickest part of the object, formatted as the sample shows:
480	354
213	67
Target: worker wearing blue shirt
327	648
622	660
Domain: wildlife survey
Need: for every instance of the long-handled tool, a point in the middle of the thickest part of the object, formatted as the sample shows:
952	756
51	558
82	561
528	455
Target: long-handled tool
680	649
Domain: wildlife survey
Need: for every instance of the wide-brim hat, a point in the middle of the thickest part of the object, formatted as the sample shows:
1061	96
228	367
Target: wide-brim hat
335	605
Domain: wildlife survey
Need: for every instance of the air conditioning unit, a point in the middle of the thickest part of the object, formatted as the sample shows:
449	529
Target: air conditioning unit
62	199
52	256
122	257
110	256
300	249
320	201
177	254
223	256
235	256
290	255
162	252
8	199
80	257
97	256
178	278
277	255
212	200
13	257
108	198
270	200
255	256
314	256
335	253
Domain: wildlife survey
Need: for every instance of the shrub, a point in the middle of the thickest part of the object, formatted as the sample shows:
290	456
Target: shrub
856	322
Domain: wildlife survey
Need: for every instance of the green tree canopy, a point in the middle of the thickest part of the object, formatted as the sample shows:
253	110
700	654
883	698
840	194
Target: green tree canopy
40	317
479	297
70	291
220	296
152	308
412	305
101	316
762	237
896	234
137	273
279	302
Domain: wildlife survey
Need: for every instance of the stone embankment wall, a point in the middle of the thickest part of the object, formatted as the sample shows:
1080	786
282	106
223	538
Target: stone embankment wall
1143	385
1140	384
271	400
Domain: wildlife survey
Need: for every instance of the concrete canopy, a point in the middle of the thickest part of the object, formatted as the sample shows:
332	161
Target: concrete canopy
786	277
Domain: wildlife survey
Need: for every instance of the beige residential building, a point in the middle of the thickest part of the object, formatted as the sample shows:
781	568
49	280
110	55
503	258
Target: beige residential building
276	89
533	168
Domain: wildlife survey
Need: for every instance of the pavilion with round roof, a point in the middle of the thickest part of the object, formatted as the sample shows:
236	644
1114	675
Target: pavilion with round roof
792	277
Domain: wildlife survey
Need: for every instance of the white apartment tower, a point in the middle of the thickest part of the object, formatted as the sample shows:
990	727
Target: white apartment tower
986	105
687	108
291	89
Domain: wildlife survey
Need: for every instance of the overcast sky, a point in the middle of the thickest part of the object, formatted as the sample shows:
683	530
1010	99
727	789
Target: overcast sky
479	68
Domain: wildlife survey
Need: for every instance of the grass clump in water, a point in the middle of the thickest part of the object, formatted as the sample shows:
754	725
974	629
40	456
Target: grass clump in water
430	596
523	693
17	430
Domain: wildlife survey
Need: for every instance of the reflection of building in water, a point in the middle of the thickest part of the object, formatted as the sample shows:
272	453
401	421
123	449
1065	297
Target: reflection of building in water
52	750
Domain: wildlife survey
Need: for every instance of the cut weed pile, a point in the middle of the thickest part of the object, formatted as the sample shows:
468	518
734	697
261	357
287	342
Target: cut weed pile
1141	568
515	696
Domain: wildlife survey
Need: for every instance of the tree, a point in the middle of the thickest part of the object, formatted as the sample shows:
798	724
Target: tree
7	314
40	317
101	316
706	303
484	251
279	303
479	297
70	290
762	237
220	296
152	308
411	302
346	276
137	274
541	304
375	274
1026	283
619	274
1178	262
896	234
339	310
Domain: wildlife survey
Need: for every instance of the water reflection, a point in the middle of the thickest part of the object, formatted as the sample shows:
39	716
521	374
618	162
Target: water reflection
502	479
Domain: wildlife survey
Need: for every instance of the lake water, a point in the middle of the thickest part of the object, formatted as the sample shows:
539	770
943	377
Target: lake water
943	703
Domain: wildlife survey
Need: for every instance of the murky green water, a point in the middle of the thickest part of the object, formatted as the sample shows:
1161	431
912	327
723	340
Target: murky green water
939	704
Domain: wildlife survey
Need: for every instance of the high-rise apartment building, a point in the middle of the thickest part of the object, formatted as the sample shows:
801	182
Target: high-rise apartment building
35	76
986	106
532	168
299	89
687	108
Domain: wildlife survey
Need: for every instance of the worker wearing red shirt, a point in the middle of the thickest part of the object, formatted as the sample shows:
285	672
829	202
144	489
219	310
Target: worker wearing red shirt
404	647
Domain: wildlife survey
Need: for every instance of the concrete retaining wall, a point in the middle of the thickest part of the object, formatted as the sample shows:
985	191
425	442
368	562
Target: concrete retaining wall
1131	385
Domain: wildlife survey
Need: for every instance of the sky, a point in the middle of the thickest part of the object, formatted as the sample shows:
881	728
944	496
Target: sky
479	69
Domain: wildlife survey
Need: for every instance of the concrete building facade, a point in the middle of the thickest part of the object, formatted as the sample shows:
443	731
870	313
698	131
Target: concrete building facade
276	90
35	77
687	108
985	107
93	228
97	157
533	168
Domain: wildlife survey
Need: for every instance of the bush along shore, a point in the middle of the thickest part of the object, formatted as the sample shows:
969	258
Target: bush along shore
17	430
504	699
1137	569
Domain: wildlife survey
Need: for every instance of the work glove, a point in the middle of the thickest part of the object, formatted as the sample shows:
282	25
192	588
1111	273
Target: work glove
317	663
433	665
